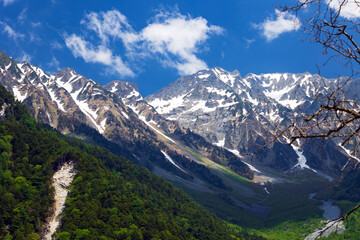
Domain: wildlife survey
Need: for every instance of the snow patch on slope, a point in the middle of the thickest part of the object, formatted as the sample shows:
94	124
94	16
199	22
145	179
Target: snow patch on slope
224	76
18	95
102	124
221	143
237	153
113	89
221	92
142	118
204	76
133	93
124	114
166	106
171	161
291	103
348	152
301	159
83	105
56	100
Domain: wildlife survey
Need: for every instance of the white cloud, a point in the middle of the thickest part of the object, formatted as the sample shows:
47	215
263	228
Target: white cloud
56	45
8	2
110	24
35	24
22	16
170	37
177	39
248	42
11	32
349	8
101	54
34	37
284	22
54	63
25	57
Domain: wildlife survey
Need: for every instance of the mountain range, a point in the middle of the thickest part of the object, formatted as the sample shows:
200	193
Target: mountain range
55	187
242	114
210	133
76	105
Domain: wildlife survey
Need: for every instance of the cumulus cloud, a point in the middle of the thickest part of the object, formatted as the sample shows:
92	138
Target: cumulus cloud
284	22
8	2
11	32
170	37
349	8
101	54
177	38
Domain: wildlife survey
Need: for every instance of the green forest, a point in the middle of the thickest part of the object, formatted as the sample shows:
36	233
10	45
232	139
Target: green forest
110	198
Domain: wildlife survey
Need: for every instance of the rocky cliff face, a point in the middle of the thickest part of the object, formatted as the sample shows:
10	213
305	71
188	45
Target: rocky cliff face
78	106
128	92
242	113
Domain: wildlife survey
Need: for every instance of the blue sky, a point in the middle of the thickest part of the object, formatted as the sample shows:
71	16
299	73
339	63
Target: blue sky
152	43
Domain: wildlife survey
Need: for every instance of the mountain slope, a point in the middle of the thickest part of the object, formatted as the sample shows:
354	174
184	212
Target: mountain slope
110	197
128	92
74	104
242	114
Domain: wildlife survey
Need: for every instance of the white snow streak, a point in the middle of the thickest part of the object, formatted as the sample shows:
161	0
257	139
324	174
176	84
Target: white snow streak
252	100
221	143
171	161
204	76
113	89
221	92
7	67
83	105
237	153
56	100
102	124
166	106
349	153
224	76
133	93
147	123
124	114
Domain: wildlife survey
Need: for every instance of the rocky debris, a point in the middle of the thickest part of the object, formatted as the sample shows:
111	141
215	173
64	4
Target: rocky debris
61	181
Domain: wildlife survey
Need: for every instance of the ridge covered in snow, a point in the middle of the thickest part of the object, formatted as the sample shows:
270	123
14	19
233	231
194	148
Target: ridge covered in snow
237	112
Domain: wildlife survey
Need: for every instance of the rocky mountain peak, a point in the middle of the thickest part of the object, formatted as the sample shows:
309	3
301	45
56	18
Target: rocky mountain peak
6	61
238	113
124	89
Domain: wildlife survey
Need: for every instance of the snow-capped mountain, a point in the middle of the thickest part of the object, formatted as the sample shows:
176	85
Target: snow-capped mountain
242	113
116	112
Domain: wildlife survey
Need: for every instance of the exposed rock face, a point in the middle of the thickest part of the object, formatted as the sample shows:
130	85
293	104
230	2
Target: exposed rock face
330	227
72	103
241	113
128	92
60	182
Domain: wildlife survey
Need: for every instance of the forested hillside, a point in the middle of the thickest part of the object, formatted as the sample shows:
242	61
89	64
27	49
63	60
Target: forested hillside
110	198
